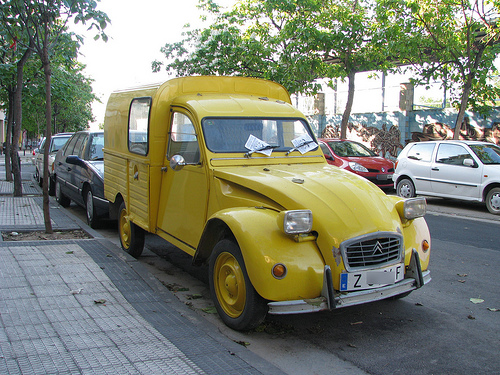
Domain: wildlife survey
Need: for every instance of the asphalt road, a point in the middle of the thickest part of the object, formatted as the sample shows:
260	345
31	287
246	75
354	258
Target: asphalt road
435	330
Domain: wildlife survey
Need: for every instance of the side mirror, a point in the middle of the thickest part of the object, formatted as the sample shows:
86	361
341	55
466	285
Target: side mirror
469	163
328	157
177	162
75	160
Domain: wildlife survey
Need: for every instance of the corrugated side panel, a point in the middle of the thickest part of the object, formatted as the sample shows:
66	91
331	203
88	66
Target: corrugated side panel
115	176
139	193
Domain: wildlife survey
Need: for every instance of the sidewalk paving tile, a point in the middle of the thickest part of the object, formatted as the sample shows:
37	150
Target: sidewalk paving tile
86	307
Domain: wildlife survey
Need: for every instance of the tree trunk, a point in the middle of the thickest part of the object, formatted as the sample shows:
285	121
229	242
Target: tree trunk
18	122
348	106
463	107
8	137
48	131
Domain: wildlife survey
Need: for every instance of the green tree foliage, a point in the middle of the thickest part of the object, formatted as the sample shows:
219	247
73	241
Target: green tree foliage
293	42
452	41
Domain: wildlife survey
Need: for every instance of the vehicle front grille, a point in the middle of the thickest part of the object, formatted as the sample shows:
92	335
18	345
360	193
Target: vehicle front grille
372	250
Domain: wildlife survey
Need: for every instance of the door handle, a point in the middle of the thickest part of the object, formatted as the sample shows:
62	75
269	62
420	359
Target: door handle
434	169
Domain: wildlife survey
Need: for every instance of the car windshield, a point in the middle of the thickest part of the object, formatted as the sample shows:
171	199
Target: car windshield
347	149
488	153
96	147
58	142
224	135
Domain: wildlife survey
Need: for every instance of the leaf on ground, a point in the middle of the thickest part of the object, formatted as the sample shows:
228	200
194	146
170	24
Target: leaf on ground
471	317
209	310
69	252
242	343
462	274
100	301
476	300
493	309
194	296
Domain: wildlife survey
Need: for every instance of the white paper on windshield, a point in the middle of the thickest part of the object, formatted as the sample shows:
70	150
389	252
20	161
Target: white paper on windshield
304	143
254	143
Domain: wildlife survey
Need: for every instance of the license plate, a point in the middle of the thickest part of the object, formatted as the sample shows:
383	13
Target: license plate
384	177
371	279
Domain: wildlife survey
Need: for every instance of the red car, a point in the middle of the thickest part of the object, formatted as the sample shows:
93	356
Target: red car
357	158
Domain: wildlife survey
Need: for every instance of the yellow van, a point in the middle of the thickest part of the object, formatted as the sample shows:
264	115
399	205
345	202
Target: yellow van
226	169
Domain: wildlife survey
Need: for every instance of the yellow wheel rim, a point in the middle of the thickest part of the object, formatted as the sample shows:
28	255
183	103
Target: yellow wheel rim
124	229
229	285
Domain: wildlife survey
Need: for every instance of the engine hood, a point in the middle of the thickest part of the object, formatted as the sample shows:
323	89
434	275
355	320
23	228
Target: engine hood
343	204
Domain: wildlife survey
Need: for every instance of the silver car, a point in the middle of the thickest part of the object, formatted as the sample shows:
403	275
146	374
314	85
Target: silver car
466	170
56	142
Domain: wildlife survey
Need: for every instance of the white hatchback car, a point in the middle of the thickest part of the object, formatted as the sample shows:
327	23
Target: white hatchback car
466	170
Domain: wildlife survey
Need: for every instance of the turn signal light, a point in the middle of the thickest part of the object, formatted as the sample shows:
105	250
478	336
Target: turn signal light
279	271
425	245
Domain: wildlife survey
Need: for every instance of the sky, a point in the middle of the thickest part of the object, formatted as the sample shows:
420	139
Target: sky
137	31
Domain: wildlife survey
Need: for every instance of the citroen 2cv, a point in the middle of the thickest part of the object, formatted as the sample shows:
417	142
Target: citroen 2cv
227	170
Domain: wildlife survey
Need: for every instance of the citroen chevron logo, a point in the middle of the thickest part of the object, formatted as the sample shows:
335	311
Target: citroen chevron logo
377	249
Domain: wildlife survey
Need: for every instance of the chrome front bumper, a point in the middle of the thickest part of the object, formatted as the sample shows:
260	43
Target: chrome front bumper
331	300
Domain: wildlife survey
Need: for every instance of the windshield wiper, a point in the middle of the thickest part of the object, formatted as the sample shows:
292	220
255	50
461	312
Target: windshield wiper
299	146
263	148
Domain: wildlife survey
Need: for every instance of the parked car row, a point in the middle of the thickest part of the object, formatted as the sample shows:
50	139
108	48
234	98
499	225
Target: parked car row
465	170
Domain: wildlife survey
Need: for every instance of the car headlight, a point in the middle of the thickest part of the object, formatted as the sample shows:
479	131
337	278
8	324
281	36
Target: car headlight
357	167
296	221
412	208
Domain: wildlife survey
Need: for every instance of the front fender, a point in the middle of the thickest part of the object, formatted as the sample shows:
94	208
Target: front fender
414	234
263	245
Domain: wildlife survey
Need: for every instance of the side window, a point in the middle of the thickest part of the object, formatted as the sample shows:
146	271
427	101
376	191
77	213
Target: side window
452	154
70	145
138	125
183	140
79	145
421	151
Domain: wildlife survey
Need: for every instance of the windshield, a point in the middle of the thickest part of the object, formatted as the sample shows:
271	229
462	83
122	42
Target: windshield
224	135
488	153
96	147
58	142
347	149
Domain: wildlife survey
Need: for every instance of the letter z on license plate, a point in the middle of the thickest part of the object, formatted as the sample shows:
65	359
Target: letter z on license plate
372	278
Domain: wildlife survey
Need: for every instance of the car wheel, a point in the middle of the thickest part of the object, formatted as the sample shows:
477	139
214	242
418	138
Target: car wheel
60	197
493	201
92	219
52	186
405	188
236	301
131	235
402	295
37	176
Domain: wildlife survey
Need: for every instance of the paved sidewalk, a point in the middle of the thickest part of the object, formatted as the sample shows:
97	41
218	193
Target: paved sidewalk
86	307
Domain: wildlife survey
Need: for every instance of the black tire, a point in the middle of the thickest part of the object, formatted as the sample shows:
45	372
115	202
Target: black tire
92	219
405	188
131	235
402	295
39	178
493	201
236	301
52	186
60	197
